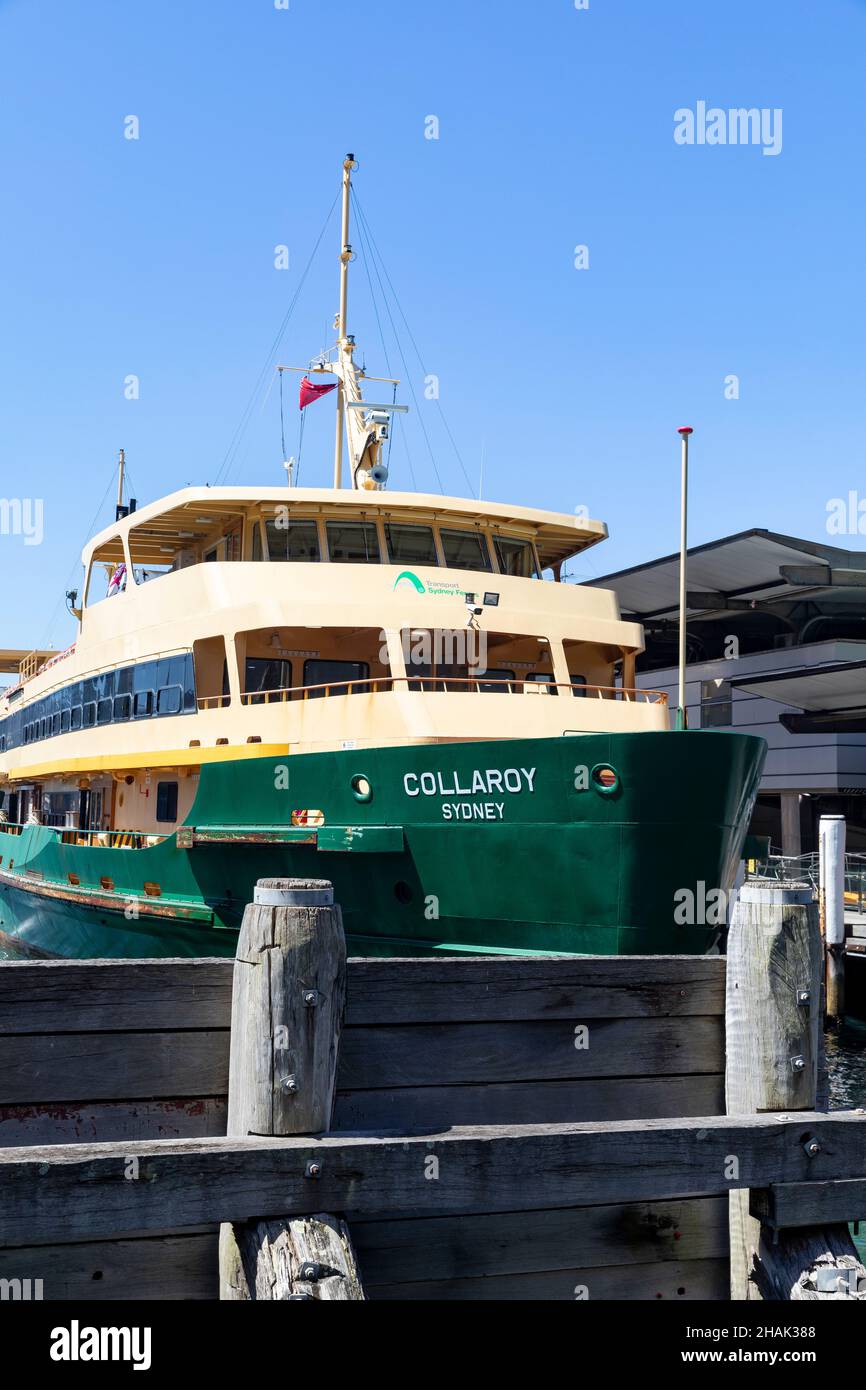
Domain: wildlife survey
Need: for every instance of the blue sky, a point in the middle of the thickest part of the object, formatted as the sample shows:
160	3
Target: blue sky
155	257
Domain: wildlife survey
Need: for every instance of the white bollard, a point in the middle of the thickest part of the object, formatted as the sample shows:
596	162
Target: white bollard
831	898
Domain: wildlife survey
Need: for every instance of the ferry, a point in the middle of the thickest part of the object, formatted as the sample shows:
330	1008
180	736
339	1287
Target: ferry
397	692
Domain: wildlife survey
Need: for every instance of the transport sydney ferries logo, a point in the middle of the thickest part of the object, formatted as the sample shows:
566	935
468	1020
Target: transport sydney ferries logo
436	589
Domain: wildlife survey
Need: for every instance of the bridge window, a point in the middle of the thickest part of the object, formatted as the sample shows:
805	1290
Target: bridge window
411	545
334	674
516	556
466	550
264	674
291	538
353	542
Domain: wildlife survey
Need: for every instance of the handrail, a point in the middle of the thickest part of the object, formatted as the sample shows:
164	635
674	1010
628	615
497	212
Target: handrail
379	684
102	839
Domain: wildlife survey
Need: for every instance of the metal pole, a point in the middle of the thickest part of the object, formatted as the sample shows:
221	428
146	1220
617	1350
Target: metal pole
831	898
345	258
682	718
121	462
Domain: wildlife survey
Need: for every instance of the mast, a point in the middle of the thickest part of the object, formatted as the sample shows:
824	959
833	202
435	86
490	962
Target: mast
121	465
344	344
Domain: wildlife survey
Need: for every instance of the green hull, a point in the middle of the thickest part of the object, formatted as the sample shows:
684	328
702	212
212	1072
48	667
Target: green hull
475	847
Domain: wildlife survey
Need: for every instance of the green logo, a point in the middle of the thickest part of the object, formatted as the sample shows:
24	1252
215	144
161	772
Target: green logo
411	579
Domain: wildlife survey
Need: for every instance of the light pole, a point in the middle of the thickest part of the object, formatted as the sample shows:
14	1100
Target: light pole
682	718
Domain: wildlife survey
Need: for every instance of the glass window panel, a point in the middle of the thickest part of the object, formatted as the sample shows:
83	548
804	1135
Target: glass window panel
293	539
516	556
353	542
169	700
411	545
104	710
143	704
333	674
89	714
465	550
496	682
122	707
75	716
264	673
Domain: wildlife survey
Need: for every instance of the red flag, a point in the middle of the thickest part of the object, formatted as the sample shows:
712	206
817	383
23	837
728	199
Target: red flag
310	392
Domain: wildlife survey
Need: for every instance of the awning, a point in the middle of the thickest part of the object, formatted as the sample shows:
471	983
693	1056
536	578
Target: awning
832	698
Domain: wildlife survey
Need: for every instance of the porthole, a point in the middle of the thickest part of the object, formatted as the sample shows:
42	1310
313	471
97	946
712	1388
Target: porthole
605	779
362	789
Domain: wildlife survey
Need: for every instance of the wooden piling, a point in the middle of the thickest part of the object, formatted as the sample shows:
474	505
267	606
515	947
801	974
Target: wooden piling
288	1002
774	1060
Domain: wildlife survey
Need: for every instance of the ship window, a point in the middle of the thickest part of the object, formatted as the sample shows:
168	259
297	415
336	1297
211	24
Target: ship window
411	545
516	556
542	678
169	699
55	724
122	707
578	685
497	682
293	539
353	542
104	711
143	704
90	714
166	801
717	710
334	674
465	550
65	721
263	674
75	717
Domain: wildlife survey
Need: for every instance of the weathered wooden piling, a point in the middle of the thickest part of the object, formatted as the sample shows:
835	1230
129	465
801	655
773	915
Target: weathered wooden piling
774	1056
288	1002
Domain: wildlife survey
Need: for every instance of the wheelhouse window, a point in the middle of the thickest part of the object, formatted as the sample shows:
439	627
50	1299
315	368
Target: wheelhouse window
353	542
578	685
516	556
292	539
411	545
465	550
501	682
264	674
335	675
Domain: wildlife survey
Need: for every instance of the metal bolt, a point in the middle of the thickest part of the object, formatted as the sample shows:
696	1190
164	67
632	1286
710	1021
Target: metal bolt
311	998
812	1147
313	1169
798	1063
289	1085
804	998
311	1273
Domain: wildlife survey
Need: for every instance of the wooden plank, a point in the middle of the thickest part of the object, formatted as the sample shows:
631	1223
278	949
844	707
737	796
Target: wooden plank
160	1267
87	1191
535	1102
474	1247
112	1121
784	1205
90	996
682	1282
497	988
112	1066
430	1055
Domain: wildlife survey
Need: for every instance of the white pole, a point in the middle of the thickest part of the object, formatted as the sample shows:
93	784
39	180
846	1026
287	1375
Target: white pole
832	878
345	258
684	434
831	898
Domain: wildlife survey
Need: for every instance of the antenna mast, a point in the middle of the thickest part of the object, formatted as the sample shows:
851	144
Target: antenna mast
344	344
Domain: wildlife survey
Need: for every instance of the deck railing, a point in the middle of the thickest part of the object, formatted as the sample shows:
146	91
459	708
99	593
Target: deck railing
487	684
